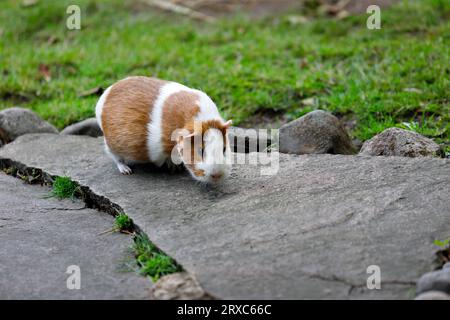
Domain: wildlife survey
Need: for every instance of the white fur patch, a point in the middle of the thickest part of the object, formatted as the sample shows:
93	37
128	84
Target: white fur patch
99	106
154	142
208	109
215	161
213	153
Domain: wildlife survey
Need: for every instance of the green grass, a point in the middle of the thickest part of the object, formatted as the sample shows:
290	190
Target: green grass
442	243
380	78
152	261
64	187
123	222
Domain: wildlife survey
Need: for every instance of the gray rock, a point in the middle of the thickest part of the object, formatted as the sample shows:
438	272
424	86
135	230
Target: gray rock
15	122
249	140
433	295
316	132
41	237
400	142
446	266
435	281
357	143
309	231
178	286
88	127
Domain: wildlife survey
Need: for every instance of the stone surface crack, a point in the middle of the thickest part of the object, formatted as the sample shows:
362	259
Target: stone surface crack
64	209
90	199
352	286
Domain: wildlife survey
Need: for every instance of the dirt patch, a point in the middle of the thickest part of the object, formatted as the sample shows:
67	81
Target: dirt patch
443	256
360	6
265	119
255	8
15	97
258	8
4	139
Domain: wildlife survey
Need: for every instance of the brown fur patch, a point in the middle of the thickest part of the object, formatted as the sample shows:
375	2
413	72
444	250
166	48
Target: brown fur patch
199	172
215	124
179	109
126	114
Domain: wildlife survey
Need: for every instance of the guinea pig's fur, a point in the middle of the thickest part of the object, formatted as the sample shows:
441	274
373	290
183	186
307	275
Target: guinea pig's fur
139	116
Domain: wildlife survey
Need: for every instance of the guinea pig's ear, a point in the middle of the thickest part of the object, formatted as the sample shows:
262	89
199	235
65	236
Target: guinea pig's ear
228	124
180	141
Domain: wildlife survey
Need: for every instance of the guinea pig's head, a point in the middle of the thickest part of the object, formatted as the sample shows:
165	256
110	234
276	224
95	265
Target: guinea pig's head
205	150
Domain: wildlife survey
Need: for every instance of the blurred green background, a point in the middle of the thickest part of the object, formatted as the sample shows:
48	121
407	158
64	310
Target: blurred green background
261	69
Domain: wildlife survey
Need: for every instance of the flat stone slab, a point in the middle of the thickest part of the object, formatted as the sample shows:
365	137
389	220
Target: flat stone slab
41	237
310	231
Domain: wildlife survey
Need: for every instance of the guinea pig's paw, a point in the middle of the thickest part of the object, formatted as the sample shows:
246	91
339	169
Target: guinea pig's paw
124	169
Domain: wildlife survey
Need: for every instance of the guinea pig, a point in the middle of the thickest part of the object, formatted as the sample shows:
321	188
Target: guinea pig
140	116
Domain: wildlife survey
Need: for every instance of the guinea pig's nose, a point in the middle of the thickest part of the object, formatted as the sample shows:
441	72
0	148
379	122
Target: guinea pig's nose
216	176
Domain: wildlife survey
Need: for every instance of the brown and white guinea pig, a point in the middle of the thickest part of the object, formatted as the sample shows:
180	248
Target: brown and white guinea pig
139	115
